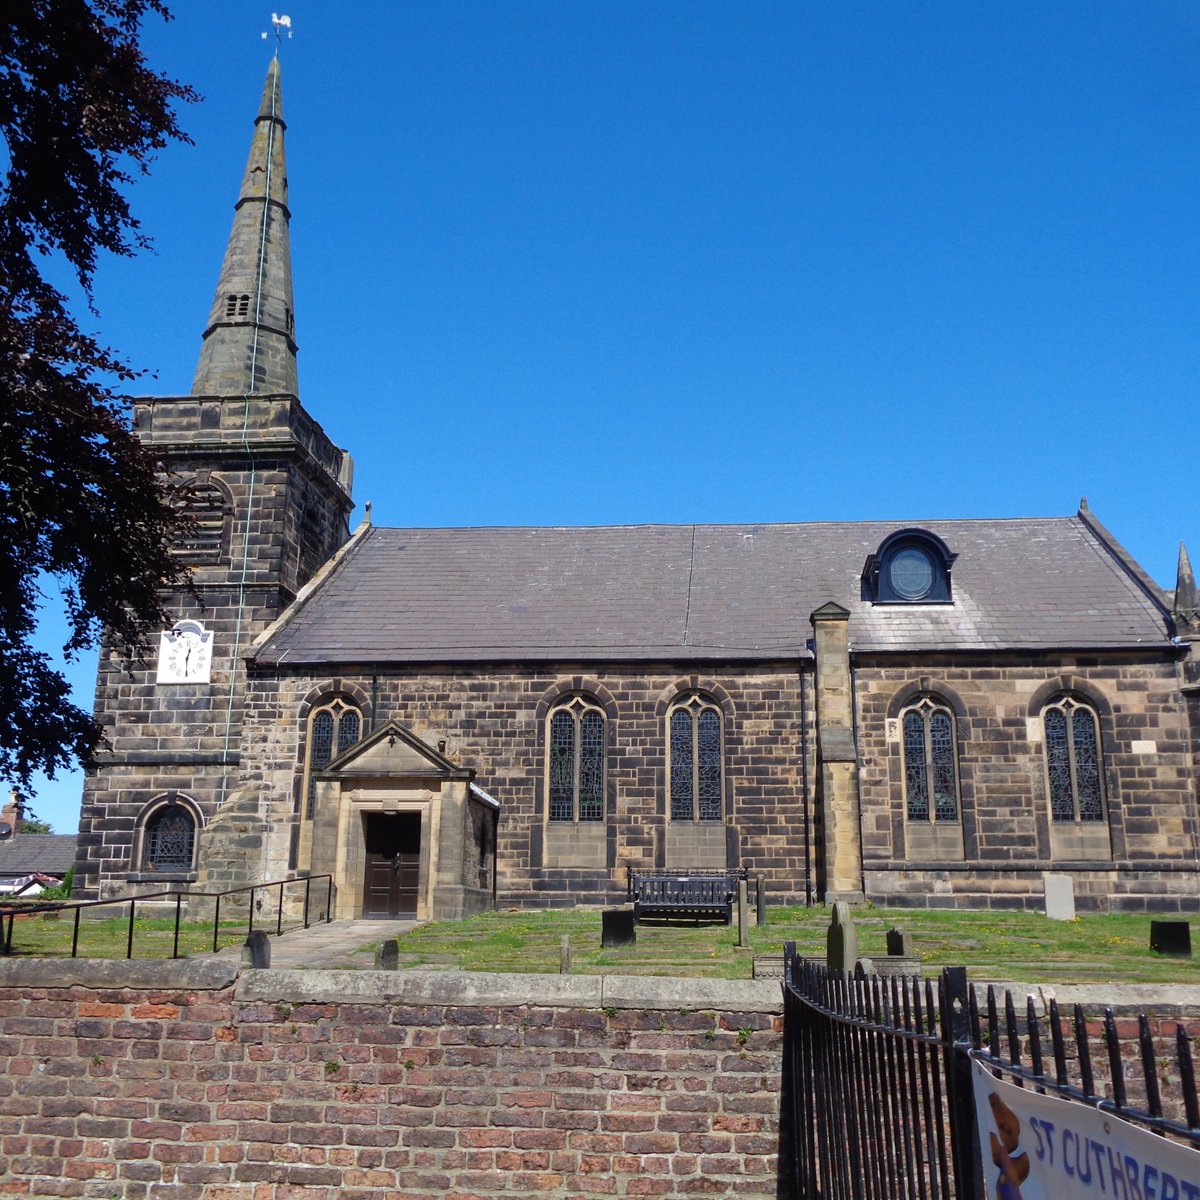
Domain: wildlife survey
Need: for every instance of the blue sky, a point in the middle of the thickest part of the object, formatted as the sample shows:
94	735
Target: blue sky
676	260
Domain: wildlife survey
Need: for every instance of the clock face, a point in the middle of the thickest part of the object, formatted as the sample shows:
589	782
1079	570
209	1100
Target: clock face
185	654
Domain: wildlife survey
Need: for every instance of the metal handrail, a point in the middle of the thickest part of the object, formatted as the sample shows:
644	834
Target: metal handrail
11	912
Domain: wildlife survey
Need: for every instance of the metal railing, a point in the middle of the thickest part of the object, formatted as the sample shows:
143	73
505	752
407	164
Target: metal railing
177	899
878	1099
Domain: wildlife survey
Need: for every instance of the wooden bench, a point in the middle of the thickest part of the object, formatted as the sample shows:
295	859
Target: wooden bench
696	894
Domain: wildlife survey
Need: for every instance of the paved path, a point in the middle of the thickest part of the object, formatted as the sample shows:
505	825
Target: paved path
337	945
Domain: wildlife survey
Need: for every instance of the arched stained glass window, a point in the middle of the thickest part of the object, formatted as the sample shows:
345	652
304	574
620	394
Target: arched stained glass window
696	759
169	838
333	727
575	761
930	762
1073	761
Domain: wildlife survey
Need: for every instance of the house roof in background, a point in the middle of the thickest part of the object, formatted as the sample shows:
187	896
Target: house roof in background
47	853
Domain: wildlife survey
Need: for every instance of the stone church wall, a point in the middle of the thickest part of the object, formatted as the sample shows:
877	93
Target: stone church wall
1148	779
146	1080
495	723
185	737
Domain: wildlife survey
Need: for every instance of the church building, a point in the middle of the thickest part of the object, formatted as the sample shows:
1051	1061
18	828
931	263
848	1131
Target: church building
922	713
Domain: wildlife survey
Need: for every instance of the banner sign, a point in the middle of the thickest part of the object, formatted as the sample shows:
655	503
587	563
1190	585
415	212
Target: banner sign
1044	1148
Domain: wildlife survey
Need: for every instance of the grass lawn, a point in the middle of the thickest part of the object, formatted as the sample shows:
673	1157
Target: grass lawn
49	936
1025	947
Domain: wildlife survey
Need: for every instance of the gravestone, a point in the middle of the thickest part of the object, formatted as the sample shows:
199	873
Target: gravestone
564	955
617	927
1060	895
256	951
743	916
1171	937
841	942
387	956
899	942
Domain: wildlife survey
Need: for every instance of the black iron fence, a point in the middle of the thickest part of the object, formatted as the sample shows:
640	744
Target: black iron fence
878	1095
169	920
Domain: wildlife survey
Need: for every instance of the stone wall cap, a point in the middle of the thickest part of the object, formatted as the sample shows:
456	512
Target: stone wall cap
1125	999
463	989
193	975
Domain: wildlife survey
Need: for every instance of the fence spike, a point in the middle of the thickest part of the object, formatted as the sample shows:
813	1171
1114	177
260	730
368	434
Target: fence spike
993	1030
1187	1077
1014	1039
973	1014
1056	1040
1086	1078
1033	1026
1149	1067
1116	1066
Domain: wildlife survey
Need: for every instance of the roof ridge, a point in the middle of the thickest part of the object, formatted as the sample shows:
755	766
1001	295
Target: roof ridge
694	525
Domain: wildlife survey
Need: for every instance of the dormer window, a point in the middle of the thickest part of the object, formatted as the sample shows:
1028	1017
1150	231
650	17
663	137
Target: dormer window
911	566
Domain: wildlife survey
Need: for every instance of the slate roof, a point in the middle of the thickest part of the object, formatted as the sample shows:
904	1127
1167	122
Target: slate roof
705	592
48	853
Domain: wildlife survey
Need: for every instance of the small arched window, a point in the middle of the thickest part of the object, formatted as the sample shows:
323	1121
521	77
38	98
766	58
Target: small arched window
575	760
169	837
1073	760
200	538
333	727
930	761
697	759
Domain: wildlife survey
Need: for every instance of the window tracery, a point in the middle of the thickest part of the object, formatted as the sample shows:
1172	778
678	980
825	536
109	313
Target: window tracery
575	761
1073	761
930	762
696	759
169	838
333	727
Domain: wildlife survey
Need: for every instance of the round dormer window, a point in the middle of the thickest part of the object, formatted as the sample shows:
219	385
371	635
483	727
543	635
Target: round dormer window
911	573
911	566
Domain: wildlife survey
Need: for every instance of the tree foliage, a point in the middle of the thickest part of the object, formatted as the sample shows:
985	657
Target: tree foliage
81	500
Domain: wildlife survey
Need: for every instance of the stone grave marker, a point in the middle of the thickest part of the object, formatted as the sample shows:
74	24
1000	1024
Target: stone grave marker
1060	895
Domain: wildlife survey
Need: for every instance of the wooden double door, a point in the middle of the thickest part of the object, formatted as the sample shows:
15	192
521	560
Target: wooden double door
391	882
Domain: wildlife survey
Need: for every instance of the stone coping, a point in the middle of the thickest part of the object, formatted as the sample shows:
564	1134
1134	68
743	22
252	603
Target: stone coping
479	989
103	974
1172	1000
463	989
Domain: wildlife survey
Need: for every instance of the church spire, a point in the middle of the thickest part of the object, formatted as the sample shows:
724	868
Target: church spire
249	342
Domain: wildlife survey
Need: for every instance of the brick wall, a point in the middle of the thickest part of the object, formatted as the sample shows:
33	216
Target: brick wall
149	1081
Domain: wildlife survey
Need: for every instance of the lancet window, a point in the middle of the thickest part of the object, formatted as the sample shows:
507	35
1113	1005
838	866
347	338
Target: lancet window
1073	761
575	761
930	761
696	759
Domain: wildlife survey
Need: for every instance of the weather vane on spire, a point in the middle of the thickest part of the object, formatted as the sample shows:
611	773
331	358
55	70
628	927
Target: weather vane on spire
282	22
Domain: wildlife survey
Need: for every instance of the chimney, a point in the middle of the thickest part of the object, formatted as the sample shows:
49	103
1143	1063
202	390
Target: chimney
11	813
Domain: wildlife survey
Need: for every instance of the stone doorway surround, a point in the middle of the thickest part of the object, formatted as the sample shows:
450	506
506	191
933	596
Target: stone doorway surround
393	771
